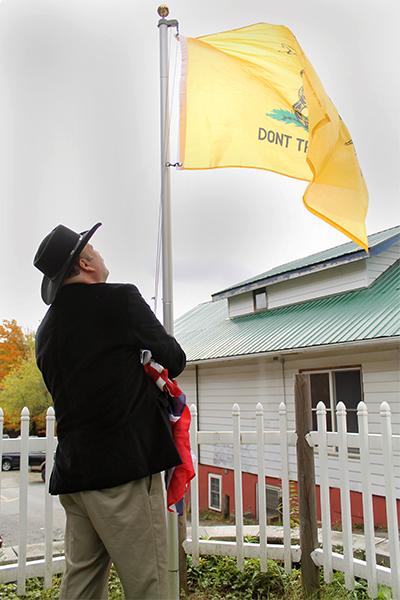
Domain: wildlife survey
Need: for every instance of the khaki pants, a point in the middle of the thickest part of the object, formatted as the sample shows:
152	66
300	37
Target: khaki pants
124	525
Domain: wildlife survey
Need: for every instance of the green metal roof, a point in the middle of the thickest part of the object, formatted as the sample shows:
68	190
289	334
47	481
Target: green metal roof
330	257
206	332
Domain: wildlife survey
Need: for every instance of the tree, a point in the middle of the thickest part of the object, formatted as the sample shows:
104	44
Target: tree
14	347
24	386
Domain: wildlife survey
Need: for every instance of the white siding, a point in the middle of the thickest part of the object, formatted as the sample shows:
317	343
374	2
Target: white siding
328	281
376	265
317	285
242	304
187	382
260	380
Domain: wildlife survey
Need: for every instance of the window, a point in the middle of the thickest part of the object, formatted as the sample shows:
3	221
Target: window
334	386
214	491
260	299
273	500
273	497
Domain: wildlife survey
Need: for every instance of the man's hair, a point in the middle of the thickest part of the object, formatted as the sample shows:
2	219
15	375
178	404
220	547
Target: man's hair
75	269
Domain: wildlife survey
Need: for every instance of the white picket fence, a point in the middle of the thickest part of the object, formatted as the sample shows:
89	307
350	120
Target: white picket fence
49	564
385	442
288	552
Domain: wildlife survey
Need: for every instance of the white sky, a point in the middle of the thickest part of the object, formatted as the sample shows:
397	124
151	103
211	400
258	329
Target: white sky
79	141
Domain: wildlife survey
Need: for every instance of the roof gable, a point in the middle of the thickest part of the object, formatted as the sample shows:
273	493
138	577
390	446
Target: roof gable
372	313
345	253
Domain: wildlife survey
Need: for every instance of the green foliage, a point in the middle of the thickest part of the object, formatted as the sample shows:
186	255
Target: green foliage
217	578
385	593
214	517
35	591
23	386
252	539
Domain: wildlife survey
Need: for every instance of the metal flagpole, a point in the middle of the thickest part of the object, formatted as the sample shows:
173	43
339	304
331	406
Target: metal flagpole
163	25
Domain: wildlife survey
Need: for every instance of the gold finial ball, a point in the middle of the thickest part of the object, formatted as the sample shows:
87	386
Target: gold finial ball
163	10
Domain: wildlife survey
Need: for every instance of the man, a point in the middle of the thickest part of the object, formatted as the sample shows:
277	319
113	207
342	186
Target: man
112	421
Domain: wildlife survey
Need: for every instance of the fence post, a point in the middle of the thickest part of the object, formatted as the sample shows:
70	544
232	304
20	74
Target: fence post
48	499
283	427
391	508
23	502
238	487
324	491
306	482
262	508
368	511
345	505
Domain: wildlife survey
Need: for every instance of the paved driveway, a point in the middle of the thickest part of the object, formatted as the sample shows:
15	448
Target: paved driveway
9	510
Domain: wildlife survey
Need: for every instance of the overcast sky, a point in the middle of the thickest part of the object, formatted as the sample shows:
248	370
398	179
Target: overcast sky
79	141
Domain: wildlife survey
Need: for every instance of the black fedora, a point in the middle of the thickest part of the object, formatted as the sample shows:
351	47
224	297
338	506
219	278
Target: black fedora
56	255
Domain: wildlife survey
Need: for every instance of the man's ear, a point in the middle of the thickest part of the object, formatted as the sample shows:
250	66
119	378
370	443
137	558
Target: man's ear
84	265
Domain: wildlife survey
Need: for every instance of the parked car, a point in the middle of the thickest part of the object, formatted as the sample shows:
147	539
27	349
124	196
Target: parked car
11	460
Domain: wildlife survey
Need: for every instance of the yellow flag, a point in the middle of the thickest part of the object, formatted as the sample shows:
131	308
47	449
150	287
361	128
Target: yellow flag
250	98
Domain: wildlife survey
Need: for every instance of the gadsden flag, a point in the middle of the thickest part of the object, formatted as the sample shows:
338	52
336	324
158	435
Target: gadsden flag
250	98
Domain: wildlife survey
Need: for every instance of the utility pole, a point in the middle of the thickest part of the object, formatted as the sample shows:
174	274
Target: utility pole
306	483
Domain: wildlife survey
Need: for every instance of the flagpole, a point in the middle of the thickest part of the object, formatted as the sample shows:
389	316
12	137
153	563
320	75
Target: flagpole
167	300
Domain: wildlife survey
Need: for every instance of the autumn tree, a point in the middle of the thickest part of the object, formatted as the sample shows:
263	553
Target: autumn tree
23	386
13	347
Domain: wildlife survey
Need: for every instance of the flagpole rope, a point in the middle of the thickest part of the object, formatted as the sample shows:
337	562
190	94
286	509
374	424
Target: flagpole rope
167	139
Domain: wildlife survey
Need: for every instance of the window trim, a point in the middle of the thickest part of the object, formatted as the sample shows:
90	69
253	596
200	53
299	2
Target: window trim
260	291
219	479
333	450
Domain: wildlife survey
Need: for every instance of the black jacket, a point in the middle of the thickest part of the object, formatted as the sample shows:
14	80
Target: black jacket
112	423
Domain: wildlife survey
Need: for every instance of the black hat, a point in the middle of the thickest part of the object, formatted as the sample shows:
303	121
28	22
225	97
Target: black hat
56	255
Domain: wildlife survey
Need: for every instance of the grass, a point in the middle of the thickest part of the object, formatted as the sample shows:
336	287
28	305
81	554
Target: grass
217	578
35	591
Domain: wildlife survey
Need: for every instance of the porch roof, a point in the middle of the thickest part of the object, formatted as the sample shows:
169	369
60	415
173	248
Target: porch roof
373	313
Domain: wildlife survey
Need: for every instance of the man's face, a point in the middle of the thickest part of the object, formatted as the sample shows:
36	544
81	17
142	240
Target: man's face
96	261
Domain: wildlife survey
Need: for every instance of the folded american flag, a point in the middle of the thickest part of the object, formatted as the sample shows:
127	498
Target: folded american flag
178	478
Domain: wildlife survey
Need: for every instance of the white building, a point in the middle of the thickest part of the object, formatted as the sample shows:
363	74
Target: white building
334	315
